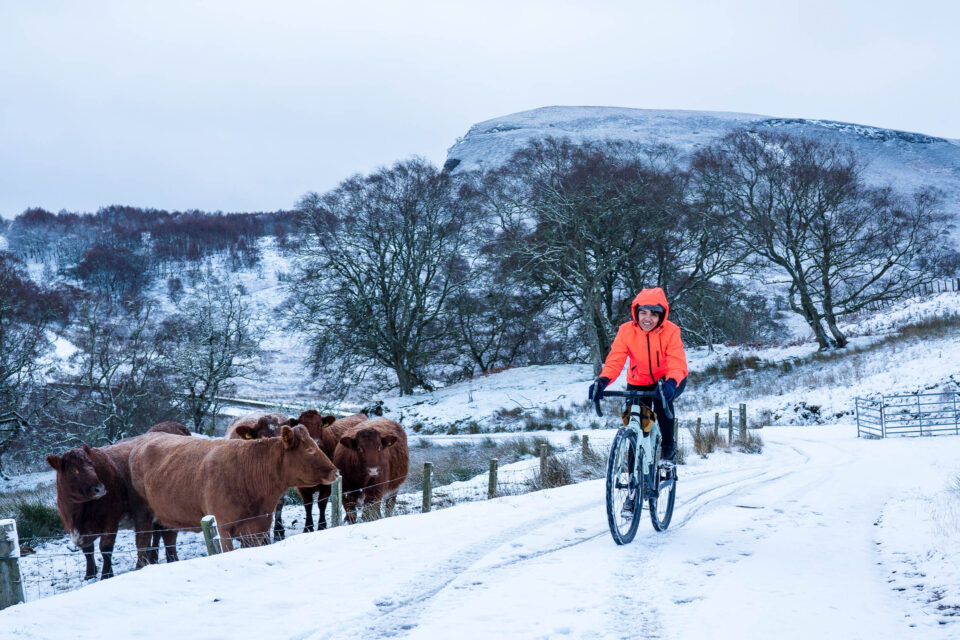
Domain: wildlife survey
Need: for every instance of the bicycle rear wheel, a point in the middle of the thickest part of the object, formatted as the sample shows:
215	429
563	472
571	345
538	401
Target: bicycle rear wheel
623	488
661	503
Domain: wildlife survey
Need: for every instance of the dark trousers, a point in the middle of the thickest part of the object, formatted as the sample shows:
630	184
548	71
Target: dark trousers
666	424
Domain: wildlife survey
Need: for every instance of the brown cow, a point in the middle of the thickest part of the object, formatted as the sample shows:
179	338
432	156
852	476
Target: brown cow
264	425
94	494
373	459
326	430
261	425
236	481
169	427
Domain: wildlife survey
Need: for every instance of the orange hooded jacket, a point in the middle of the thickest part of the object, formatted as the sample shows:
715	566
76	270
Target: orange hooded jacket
653	354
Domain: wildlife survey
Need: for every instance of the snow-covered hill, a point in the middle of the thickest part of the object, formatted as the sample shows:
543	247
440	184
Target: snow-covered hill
908	160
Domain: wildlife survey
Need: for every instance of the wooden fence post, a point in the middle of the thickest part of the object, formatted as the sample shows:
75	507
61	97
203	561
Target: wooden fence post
492	484
585	447
698	428
427	486
729	425
11	584
336	502
543	463
211	535
716	425
743	420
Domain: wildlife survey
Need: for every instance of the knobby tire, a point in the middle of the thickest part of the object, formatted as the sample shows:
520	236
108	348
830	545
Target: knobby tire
620	479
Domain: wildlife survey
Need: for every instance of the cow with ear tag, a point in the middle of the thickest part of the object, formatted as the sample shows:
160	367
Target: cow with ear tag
326	430
373	459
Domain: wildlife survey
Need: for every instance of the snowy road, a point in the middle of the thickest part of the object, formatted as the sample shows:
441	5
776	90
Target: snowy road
796	543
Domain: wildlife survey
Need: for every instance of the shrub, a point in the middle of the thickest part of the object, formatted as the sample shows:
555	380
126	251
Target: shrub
749	443
558	473
705	442
35	517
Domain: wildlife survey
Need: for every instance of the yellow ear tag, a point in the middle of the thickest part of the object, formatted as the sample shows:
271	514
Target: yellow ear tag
248	436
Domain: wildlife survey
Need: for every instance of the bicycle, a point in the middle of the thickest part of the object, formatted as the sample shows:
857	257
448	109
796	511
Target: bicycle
634	479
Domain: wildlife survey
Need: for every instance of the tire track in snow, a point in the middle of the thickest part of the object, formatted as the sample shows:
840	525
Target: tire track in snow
395	618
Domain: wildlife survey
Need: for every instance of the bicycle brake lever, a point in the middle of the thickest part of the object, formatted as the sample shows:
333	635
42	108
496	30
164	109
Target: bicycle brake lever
663	400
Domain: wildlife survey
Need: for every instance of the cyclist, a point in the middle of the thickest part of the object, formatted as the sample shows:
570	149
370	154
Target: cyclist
656	352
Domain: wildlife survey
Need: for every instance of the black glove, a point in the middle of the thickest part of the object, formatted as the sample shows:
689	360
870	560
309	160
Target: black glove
596	389
669	390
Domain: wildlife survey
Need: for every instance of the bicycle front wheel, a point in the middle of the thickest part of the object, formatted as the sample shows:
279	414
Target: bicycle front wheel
623	488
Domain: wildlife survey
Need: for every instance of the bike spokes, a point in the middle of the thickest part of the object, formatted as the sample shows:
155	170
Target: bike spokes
623	488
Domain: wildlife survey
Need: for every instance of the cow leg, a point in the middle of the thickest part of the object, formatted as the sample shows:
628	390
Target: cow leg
145	537
170	544
350	506
86	545
390	504
153	553
278	531
107	541
143	542
306	494
323	496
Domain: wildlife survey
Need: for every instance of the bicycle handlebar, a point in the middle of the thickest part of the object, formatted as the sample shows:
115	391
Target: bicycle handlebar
634	397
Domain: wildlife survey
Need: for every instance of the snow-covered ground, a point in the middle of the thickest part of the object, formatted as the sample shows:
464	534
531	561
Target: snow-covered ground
823	536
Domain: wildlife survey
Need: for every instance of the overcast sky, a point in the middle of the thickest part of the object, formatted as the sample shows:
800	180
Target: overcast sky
246	106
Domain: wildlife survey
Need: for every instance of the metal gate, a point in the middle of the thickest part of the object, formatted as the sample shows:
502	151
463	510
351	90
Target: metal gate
915	414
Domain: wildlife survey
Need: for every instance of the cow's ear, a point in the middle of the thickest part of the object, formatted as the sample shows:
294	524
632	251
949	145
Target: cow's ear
329	420
246	432
349	442
54	461
86	448
291	422
388	441
289	437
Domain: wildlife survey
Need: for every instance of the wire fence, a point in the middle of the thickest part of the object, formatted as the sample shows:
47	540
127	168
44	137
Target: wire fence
917	414
54	565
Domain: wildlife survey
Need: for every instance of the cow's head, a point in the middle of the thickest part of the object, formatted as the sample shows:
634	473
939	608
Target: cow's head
304	463
77	479
314	421
266	427
369	445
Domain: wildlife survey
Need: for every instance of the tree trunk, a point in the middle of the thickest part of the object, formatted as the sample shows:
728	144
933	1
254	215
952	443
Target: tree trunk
809	312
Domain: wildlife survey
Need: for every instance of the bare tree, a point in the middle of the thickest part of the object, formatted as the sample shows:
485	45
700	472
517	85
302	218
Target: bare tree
801	206
120	387
23	327
381	257
212	340
591	224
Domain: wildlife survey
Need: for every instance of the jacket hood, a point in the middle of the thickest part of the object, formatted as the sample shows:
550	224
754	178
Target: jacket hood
650	296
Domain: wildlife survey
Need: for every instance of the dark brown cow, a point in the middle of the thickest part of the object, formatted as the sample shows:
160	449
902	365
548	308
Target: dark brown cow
94	494
373	459
236	481
326	430
261	425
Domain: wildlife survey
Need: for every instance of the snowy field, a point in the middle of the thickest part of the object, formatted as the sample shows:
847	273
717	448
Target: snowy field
823	536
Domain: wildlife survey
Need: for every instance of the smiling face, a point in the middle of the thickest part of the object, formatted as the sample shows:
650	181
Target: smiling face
647	319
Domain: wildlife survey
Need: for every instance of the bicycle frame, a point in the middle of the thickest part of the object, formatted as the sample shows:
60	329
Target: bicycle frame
647	443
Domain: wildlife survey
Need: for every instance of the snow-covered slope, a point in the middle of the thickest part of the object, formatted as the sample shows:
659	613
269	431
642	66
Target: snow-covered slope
823	536
908	160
